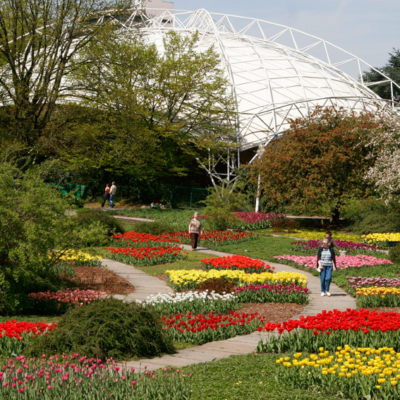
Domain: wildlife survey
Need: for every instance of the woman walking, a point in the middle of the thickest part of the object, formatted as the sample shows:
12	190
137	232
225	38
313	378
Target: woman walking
194	230
106	195
326	262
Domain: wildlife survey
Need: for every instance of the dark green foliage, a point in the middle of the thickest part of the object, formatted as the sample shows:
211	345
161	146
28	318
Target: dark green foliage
154	228
394	254
86	217
373	216
107	328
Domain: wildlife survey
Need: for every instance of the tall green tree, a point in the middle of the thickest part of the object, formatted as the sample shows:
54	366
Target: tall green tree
320	160
38	39
390	69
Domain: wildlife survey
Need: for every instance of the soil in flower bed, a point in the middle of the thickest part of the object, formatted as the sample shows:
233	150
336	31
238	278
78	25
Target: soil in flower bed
384	309
273	312
100	279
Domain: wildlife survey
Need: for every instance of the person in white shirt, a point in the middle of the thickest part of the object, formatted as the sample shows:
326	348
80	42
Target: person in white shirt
194	230
113	190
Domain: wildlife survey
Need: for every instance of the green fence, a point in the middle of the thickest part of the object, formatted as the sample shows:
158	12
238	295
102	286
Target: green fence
187	197
80	190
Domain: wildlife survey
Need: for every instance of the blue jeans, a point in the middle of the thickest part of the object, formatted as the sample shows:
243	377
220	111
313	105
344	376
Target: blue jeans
326	277
105	198
111	201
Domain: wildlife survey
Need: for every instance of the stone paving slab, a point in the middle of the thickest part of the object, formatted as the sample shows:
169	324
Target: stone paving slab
146	285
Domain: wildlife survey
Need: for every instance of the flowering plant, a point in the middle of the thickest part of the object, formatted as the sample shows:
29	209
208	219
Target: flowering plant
370	372
359	328
320	234
236	263
266	293
189	279
382	237
77	258
145	256
196	302
255	220
378	296
138	239
75	377
360	281
14	336
342	262
310	246
59	302
199	329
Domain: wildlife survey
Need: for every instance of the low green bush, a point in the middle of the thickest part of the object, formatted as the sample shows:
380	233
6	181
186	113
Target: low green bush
86	217
394	254
107	328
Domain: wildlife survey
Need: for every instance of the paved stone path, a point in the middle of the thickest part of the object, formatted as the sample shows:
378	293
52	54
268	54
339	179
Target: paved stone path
146	285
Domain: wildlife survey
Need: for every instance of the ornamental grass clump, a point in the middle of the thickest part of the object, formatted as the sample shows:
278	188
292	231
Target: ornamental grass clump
355	372
145	256
266	293
357	328
194	301
107	328
77	377
236	262
50	303
199	329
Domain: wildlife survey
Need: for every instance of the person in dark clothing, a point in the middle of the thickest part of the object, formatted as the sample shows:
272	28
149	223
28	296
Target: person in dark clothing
326	263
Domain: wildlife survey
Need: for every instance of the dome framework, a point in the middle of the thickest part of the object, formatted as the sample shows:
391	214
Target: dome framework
275	73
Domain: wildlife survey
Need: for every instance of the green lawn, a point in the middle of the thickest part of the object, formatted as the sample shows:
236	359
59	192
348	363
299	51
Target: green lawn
249	377
48	319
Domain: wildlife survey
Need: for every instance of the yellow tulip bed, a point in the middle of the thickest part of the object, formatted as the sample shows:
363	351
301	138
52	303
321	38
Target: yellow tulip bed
381	237
189	279
357	373
318	234
378	297
79	258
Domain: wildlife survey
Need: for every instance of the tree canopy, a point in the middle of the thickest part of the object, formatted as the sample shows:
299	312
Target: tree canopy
319	162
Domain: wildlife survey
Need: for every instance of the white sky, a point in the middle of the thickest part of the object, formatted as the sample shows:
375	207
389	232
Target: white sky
367	28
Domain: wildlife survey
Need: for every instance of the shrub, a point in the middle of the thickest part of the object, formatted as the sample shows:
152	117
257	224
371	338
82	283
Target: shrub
107	328
394	254
86	217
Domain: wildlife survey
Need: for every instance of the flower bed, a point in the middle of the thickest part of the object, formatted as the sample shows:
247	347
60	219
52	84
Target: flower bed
189	279
138	239
236	263
368	373
311	246
359	328
215	238
255	220
359	281
78	258
196	302
14	336
145	256
199	329
266	293
75	378
378	297
342	262
382	238
59	302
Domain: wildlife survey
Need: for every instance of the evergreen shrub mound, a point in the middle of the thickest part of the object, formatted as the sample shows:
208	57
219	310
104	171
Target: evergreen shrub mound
394	254
107	328
87	217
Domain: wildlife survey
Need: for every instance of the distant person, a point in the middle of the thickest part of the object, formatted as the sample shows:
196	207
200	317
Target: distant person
331	241
106	196
113	190
326	262
194	230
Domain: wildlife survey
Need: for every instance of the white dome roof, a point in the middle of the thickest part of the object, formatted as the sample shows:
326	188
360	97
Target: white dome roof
276	73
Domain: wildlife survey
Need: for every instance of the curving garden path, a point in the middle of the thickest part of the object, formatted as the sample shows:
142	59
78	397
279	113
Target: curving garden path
146	285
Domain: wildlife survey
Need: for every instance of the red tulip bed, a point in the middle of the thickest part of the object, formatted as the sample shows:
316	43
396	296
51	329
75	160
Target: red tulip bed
138	239
77	377
268	293
59	302
199	329
246	264
16	335
330	329
256	220
145	256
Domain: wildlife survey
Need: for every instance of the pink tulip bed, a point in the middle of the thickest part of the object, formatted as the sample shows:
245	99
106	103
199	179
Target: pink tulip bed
78	377
359	282
311	247
59	302
342	262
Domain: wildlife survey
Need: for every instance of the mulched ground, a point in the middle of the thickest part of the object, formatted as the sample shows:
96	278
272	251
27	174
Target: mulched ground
273	312
100	279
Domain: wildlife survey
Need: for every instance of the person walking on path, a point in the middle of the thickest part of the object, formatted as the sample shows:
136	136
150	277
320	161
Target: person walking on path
106	196
331	241
113	190
194	230
326	262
